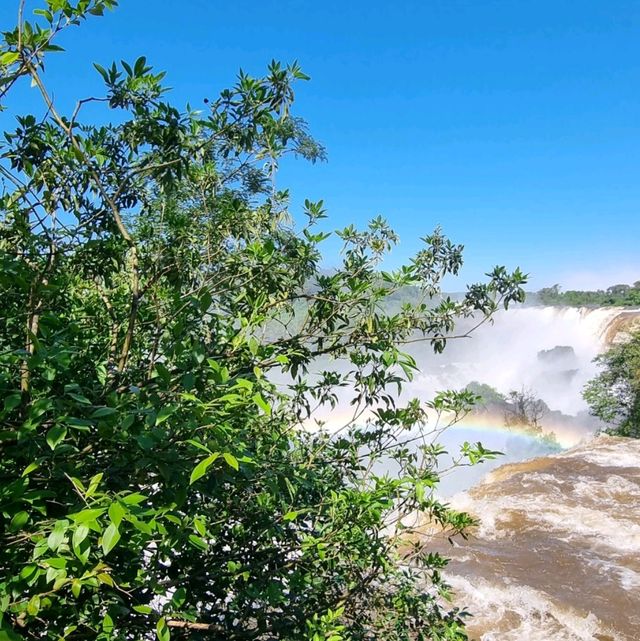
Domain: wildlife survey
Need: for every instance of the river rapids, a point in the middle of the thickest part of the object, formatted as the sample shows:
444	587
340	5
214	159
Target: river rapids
556	554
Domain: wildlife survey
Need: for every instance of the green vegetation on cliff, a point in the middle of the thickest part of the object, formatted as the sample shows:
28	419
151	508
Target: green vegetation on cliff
614	394
615	296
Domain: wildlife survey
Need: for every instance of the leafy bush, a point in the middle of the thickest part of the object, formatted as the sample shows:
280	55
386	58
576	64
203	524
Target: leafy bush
162	330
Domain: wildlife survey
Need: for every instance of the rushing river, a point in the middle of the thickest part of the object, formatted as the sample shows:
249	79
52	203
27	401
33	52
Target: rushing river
556	556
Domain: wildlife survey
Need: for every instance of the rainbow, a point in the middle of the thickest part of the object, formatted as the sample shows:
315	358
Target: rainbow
566	436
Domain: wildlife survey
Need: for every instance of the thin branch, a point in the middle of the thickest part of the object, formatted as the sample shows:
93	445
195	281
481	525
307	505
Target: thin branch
124	232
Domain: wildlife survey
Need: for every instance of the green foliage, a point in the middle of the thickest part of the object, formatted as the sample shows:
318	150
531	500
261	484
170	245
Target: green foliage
614	394
485	395
162	328
616	295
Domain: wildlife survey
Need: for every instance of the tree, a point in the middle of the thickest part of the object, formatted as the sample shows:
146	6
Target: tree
167	339
621	294
619	290
549	295
614	394
488	398
525	410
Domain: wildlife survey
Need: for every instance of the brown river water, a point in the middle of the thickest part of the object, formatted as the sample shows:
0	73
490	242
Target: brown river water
556	556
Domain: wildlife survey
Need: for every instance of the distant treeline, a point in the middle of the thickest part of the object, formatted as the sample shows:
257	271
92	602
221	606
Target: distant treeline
616	295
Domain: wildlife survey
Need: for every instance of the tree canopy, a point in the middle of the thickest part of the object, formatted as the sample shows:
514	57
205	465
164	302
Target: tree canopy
167	340
617	295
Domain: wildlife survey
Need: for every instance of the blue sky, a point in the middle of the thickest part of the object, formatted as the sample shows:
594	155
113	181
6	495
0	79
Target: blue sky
515	126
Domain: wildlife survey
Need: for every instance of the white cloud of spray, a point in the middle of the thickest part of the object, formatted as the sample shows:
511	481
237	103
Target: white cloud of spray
507	355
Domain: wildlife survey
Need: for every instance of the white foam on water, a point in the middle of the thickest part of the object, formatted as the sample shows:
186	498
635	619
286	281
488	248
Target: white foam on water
628	579
542	511
530	615
553	482
608	452
610	456
587	489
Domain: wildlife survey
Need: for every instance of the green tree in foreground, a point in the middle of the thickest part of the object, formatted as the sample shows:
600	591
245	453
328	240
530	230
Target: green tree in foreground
167	341
614	394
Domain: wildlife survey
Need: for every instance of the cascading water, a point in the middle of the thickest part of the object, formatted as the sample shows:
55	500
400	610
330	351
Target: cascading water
548	350
523	347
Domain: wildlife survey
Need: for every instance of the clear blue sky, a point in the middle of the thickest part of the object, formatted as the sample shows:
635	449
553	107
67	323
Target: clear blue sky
515	125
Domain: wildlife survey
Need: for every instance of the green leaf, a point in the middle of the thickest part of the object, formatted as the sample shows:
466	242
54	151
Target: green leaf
179	597
28	571
199	445
290	516
33	607
18	521
56	435
30	468
116	512
94	483
12	401
201	469
102	71
139	66
107	624
80	548
85	516
142	609
165	413
58	562
83	400
9	57
163	372
262	404
57	535
101	412
141	526
199	526
198	542
79	535
80	424
162	630
105	578
231	460
133	499
205	301
110	538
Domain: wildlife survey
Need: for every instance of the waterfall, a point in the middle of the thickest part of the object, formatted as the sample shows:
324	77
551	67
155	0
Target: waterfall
547	349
